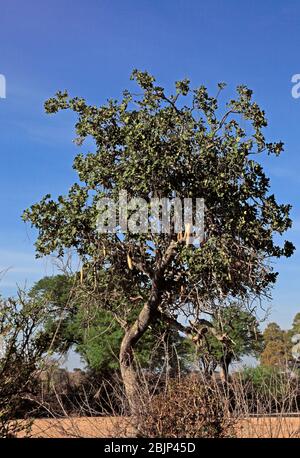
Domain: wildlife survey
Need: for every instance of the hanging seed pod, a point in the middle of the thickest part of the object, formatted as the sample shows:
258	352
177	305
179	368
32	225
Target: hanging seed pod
95	277
179	237
187	234
104	251
81	275
129	261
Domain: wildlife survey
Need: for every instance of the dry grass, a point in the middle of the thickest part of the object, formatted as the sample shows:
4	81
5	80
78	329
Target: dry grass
92	427
182	405
78	427
269	427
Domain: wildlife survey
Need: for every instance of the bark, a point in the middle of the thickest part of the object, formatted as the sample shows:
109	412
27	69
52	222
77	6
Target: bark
138	329
224	369
130	339
223	373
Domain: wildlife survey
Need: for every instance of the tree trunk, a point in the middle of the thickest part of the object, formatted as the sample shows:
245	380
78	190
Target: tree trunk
224	369
130	339
223	373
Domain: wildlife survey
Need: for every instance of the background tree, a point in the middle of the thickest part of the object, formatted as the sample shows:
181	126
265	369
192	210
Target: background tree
277	347
294	336
296	324
158	145
94	334
242	337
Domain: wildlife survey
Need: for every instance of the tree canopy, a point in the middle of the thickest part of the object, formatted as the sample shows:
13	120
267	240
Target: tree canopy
277	347
155	145
242	337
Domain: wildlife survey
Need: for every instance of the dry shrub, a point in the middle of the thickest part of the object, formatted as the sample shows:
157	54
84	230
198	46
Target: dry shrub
188	407
265	391
21	351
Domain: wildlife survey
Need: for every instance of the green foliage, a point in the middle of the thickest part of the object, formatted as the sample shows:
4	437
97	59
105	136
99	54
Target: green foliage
156	147
179	145
273	332
296	324
99	345
260	376
277	347
94	333
55	290
97	342
241	337
271	388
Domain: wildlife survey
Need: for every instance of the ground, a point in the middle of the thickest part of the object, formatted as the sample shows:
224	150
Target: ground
277	427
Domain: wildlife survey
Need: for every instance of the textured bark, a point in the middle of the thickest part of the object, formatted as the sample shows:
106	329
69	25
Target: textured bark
140	326
130	339
224	369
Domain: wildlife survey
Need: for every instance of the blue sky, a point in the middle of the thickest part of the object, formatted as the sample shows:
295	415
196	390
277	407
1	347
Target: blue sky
90	48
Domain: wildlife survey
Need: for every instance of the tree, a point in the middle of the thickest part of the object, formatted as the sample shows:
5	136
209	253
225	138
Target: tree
294	336
277	347
242	337
93	332
21	351
296	324
153	145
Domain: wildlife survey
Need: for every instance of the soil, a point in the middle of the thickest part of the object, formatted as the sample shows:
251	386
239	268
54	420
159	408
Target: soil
89	427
